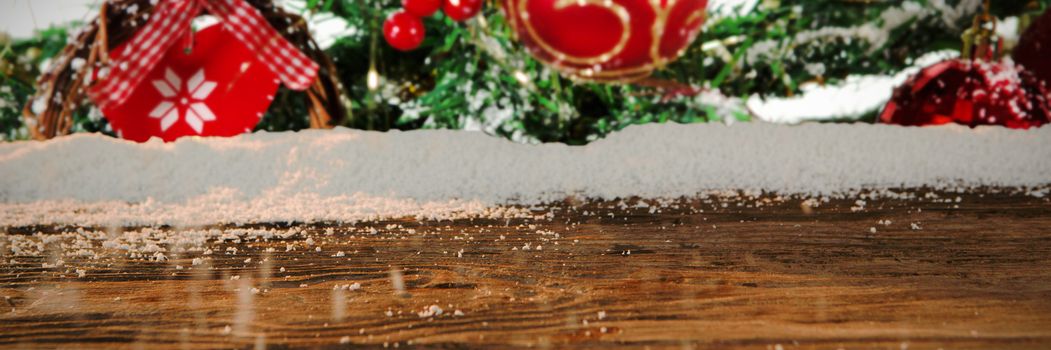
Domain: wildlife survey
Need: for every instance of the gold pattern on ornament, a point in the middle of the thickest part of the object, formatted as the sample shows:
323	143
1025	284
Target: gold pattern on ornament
597	73
617	10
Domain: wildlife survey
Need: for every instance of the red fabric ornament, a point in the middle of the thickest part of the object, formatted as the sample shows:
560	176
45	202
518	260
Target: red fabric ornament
1034	48
421	8
970	93
606	40
171	18
218	89
403	31
461	10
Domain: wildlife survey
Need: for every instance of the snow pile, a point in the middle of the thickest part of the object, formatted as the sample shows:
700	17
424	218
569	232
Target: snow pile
855	96
350	175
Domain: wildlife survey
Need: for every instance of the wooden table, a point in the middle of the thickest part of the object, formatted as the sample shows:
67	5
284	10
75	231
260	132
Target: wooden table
762	273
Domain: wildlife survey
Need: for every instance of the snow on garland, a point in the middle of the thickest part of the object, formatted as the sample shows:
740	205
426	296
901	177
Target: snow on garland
875	33
349	175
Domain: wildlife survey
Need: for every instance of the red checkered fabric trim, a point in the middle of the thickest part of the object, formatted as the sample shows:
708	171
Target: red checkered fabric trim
172	18
247	24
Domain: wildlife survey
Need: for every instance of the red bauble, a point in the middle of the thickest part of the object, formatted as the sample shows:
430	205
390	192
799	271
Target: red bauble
403	31
218	89
970	93
606	40
461	10
1034	48
421	8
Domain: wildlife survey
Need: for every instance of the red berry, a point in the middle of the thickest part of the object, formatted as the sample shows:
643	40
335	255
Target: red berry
461	10
403	31
421	8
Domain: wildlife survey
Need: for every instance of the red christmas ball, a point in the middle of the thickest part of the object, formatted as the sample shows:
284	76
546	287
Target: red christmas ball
403	31
970	93
461	10
421	8
606	40
1034	48
218	89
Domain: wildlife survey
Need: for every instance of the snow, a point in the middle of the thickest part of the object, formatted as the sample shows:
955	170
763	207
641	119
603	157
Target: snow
731	7
878	31
857	95
431	311
350	175
325	27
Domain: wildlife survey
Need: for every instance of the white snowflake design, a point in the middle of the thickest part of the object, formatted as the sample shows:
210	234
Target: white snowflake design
189	100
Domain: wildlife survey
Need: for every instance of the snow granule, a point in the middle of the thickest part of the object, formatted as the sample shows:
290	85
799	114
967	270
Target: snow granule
431	311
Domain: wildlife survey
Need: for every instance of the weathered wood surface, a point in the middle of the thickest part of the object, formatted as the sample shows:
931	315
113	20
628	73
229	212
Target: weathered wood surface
977	274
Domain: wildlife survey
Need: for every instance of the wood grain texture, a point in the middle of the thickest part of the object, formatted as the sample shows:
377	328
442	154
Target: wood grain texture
977	274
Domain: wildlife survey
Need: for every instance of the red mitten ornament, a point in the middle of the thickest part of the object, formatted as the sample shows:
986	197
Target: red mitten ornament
1034	48
217	89
152	87
970	93
606	40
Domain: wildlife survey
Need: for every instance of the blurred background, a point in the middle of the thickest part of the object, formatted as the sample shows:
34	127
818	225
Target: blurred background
779	61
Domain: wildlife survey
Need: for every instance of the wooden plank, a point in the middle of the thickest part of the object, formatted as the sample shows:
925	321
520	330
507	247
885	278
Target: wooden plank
757	273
